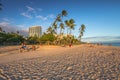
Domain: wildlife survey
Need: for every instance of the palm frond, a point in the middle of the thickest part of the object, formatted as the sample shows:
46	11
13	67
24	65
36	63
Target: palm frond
64	13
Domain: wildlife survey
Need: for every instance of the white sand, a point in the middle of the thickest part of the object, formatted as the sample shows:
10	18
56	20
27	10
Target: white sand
82	62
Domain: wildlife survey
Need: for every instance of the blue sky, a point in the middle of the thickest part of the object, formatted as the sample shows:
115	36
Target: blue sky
101	17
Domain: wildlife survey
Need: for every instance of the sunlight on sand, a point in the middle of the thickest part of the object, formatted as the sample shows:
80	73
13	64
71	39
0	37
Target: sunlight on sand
81	62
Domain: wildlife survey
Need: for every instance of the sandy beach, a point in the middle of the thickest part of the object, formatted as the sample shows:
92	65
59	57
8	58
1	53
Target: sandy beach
80	62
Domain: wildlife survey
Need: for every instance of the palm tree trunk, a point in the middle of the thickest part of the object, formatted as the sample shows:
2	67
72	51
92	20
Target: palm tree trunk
67	31
70	32
60	31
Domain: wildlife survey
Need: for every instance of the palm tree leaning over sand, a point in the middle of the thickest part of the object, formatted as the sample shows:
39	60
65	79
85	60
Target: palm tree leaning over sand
55	27
61	28
55	23
50	30
64	13
72	25
81	31
67	25
59	19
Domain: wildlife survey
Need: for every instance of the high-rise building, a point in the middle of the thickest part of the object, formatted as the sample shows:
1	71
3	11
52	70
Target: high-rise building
35	31
0	29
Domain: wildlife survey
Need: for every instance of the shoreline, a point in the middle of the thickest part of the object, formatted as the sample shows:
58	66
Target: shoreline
8	49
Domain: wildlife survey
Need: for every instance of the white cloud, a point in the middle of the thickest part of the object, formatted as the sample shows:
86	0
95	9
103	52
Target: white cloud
32	13
26	15
30	8
21	25
5	19
8	27
41	17
51	16
4	23
45	17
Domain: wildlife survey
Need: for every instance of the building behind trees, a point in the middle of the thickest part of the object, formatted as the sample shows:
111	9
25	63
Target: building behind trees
35	31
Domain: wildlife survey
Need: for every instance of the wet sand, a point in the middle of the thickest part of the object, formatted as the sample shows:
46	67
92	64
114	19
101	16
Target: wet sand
82	62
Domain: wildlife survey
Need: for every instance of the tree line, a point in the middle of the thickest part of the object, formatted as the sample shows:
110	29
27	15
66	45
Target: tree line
55	34
10	38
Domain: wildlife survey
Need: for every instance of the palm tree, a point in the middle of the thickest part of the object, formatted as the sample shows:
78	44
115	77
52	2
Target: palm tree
67	25
58	18
55	27
61	27
55	23
81	30
64	13
72	25
50	30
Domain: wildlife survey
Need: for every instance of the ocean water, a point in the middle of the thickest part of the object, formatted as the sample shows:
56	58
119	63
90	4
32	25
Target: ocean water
112	44
106	43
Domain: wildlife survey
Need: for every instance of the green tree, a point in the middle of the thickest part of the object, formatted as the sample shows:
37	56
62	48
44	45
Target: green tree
67	25
33	40
64	13
61	27
3	37
51	30
47	37
11	38
60	24
81	31
58	18
72	25
55	27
